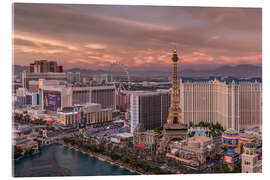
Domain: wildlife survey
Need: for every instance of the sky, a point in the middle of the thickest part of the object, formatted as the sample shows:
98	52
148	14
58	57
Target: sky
140	37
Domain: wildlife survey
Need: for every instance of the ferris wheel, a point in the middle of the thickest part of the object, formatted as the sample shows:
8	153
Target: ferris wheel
119	76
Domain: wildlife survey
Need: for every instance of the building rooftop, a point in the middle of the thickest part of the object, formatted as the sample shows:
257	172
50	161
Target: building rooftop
227	80
67	113
62	87
250	145
124	135
245	135
149	93
254	129
86	104
199	138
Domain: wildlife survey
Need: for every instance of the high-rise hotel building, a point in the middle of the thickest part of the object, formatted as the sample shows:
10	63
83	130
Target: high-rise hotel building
42	69
234	103
44	66
57	97
149	108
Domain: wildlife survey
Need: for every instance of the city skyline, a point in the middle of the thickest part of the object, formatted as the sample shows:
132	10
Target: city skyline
188	100
138	36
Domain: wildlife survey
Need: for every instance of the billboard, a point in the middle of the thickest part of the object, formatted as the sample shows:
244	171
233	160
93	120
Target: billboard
79	117
139	145
37	99
230	141
231	151
52	101
28	99
228	159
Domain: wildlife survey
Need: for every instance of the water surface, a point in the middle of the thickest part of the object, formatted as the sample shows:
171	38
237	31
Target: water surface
58	160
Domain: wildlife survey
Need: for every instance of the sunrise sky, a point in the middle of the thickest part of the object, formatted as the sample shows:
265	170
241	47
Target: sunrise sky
92	36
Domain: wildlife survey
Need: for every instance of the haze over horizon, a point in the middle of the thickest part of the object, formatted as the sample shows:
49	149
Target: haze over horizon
92	36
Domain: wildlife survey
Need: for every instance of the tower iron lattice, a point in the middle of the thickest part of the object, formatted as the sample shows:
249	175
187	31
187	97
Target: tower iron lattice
174	127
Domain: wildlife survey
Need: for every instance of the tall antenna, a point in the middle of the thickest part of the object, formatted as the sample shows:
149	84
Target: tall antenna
175	48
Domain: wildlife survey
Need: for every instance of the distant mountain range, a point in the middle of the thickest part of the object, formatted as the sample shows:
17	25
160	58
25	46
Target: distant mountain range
88	72
17	69
240	71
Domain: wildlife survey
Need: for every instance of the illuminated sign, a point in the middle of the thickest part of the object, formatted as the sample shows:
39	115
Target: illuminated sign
140	145
52	100
231	159
37	99
29	99
78	117
228	159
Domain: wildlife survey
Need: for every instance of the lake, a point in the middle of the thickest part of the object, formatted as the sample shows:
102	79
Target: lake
58	160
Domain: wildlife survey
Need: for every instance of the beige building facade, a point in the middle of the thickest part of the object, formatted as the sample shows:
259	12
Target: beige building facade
231	102
200	147
57	97
93	113
250	161
145	139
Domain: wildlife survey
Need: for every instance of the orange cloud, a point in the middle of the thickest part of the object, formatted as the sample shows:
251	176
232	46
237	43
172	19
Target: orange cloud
140	24
40	40
95	46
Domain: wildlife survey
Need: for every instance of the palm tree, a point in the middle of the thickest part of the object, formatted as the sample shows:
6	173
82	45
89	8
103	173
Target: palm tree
27	119
17	152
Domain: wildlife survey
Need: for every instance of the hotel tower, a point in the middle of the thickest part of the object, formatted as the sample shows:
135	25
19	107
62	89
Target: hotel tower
231	102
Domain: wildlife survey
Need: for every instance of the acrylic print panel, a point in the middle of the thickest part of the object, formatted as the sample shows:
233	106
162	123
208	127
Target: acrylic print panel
133	90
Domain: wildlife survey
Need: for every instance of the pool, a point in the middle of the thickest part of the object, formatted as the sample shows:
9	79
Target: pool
197	132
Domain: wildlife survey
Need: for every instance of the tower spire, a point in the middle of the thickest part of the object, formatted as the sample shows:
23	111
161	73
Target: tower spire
175	113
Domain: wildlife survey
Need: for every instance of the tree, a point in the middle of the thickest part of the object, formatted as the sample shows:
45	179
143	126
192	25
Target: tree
201	124
17	117
158	130
27	118
207	124
191	124
27	132
208	159
191	134
237	168
129	143
124	159
157	170
133	163
225	168
29	151
145	166
17	152
115	156
109	145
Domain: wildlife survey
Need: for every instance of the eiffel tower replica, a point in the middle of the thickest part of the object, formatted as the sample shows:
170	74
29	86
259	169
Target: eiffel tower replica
174	127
